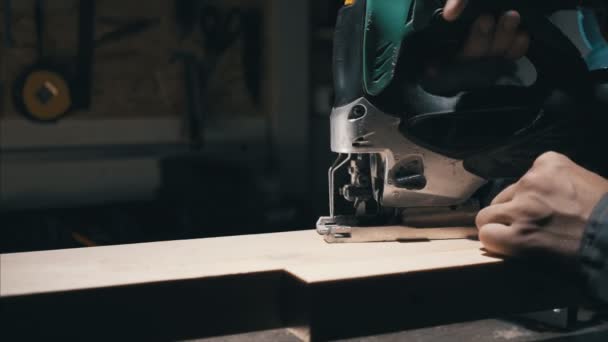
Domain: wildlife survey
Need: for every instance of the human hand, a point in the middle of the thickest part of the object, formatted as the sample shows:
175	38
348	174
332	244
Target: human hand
543	214
486	56
453	9
490	37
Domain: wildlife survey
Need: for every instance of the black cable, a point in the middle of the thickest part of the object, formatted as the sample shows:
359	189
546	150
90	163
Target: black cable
86	46
39	18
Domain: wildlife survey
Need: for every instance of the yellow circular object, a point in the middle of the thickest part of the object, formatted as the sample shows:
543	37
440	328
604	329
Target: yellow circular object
46	95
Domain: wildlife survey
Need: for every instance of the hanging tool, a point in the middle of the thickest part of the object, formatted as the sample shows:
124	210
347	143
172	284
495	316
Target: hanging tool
8	24
86	49
48	90
42	92
253	42
131	28
219	29
192	84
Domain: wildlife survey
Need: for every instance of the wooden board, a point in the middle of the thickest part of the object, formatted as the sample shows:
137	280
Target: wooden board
303	254
194	288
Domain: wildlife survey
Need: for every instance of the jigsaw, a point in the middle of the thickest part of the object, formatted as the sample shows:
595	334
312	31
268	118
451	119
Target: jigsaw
413	157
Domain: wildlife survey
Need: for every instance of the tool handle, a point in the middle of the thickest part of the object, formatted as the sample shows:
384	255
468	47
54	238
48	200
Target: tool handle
498	130
556	59
391	25
429	14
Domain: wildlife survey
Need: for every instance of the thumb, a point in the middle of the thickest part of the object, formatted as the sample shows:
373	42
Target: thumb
453	9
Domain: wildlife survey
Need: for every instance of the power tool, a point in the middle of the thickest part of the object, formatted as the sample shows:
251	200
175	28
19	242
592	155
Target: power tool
419	155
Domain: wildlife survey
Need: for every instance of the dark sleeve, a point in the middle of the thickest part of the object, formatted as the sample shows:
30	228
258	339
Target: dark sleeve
594	252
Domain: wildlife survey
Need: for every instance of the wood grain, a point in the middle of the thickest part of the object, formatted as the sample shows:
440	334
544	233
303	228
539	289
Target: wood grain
303	254
181	290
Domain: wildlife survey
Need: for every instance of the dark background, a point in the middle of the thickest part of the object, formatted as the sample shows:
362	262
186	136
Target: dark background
189	132
131	167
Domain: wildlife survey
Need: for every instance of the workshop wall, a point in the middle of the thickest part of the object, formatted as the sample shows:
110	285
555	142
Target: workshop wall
131	76
126	169
135	74
148	68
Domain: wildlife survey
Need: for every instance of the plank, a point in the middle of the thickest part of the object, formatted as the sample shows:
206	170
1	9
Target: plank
303	254
208	287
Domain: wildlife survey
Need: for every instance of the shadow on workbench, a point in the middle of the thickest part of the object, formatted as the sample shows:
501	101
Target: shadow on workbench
596	336
235	304
155	311
491	330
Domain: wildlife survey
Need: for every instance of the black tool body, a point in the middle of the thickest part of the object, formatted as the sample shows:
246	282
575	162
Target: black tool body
497	130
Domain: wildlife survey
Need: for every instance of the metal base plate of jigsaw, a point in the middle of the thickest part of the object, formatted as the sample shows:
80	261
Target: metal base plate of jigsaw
409	224
343	229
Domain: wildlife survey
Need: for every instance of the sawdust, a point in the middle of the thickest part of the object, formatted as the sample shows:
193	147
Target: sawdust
511	333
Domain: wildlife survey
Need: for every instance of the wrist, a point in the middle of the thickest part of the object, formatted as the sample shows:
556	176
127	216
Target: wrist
593	252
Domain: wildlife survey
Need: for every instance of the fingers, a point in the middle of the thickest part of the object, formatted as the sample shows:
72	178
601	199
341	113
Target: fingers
500	213
506	195
453	9
520	46
480	38
496	39
521	210
525	240
498	238
506	31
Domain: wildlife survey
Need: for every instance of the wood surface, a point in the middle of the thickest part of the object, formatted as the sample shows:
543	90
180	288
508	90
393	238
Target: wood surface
303	254
190	289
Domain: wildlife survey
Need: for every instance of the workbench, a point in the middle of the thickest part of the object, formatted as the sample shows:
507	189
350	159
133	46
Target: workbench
210	287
